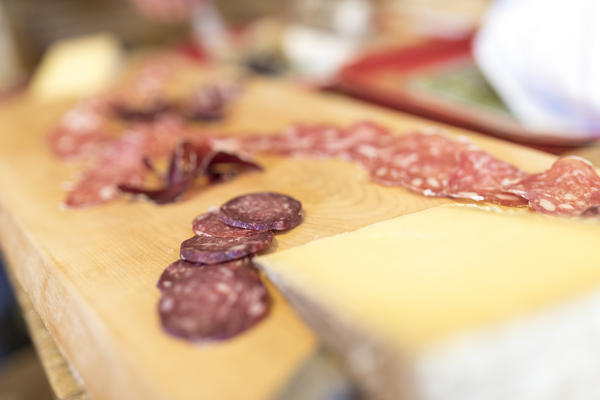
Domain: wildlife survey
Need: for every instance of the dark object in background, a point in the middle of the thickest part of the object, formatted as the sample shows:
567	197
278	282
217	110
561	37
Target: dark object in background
37	24
265	64
13	334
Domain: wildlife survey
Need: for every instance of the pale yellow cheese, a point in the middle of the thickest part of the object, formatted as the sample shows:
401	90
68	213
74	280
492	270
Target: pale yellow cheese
423	277
77	67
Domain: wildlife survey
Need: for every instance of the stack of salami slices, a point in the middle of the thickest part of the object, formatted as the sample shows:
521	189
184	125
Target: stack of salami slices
214	291
431	164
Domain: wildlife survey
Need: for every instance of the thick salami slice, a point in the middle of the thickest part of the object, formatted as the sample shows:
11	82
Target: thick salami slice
214	250
210	224
175	272
181	270
214	302
570	187
481	176
420	162
262	212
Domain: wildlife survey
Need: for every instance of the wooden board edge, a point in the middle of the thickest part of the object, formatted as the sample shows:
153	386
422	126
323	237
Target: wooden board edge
63	379
83	344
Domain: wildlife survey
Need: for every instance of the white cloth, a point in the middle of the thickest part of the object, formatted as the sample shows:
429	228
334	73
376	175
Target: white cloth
543	58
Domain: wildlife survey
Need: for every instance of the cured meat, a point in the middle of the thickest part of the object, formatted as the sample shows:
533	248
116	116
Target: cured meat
145	112
189	161
210	224
208	102
319	140
81	130
214	250
175	272
419	162
120	164
262	212
570	187
99	185
212	302
481	176
370	142
181	270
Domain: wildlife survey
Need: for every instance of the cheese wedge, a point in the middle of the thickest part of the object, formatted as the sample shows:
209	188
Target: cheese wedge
77	67
455	302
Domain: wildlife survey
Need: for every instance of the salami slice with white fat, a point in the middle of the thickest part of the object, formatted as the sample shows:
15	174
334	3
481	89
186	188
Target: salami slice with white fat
419	162
181	270
262	212
480	176
214	250
210	224
177	271
570	187
213	302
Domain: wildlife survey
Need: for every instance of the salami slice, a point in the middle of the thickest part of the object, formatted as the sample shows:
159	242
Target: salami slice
175	272
81	130
214	250
214	302
262	212
570	187
210	224
181	270
420	162
146	111
481	176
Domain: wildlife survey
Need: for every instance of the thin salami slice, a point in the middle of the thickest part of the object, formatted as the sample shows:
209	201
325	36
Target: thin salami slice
82	130
214	250
481	176
570	187
262	212
147	111
420	162
210	224
214	302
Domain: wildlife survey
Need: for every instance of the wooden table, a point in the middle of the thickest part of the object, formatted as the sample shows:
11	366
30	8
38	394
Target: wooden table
89	274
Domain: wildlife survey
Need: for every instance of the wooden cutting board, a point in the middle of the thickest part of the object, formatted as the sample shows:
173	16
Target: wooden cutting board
91	273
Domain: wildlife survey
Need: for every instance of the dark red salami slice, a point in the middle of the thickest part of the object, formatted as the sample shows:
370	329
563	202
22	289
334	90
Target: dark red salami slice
214	250
208	102
210	224
214	302
420	162
147	111
482	177
181	270
262	212
175	272
570	187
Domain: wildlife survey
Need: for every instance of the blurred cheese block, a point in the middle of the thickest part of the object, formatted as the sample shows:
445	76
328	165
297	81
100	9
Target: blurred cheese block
77	67
456	302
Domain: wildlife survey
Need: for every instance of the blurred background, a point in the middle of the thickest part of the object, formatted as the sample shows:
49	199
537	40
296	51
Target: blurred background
464	62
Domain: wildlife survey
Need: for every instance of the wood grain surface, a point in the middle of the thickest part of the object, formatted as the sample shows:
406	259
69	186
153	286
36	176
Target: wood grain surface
90	273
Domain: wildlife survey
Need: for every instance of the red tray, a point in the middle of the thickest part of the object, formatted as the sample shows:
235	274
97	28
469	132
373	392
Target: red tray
439	80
